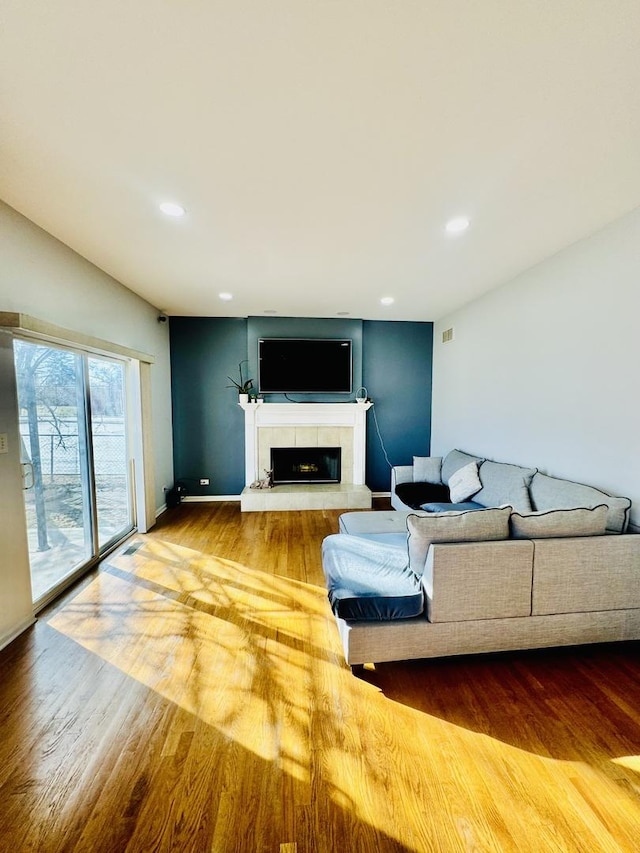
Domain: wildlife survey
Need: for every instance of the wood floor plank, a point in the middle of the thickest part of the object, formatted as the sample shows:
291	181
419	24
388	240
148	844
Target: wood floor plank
191	695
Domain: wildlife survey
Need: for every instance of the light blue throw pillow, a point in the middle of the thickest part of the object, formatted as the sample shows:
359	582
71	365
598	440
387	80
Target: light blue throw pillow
503	483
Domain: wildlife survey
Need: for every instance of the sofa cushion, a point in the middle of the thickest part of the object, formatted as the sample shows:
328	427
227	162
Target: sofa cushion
373	521
426	469
415	494
552	523
464	483
398	540
472	526
442	506
369	580
456	459
554	493
503	483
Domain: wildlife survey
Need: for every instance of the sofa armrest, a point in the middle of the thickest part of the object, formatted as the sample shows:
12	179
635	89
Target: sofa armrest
401	474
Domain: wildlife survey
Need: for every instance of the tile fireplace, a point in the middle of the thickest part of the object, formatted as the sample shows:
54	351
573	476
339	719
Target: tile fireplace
304	426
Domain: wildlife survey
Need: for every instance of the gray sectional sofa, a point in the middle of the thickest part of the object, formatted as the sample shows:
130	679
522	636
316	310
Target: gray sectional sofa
524	561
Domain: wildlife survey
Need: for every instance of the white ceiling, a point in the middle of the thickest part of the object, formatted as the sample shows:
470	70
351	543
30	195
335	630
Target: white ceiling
319	146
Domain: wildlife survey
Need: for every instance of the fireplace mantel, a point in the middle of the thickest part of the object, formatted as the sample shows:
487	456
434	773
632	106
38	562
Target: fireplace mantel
258	415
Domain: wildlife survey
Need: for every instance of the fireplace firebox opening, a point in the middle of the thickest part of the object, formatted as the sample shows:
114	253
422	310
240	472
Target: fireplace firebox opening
305	465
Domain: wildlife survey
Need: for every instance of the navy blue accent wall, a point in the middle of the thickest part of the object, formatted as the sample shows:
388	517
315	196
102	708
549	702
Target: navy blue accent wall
397	369
391	359
208	424
306	327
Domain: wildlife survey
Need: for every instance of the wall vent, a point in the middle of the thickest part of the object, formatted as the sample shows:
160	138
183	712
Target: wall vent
447	335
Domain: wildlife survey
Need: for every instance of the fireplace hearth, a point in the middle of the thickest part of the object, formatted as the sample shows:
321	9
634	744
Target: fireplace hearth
305	465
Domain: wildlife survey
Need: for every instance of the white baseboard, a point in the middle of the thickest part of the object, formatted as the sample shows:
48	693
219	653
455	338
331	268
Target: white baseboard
194	499
16	631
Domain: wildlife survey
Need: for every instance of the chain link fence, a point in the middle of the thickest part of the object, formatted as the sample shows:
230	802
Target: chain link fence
60	453
61	475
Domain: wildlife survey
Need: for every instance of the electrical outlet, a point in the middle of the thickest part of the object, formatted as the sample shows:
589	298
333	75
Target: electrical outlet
4	444
204	481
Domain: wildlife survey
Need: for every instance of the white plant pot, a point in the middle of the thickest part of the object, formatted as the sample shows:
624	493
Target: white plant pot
243	398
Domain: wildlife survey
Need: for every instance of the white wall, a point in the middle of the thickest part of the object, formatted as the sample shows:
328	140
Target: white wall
43	278
543	371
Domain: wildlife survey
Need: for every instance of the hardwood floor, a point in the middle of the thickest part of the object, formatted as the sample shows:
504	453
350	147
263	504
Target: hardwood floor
191	696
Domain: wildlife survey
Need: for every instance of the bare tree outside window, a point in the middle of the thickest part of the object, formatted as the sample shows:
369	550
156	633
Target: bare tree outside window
72	410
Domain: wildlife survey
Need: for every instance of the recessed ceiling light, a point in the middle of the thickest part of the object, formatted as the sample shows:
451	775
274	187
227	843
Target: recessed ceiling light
226	297
387	300
342	313
270	311
457	225
170	208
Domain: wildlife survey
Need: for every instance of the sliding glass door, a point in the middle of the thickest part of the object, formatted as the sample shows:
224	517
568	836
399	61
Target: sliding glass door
110	456
77	483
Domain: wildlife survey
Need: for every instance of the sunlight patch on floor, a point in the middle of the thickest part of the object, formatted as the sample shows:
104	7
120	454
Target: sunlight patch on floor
632	762
226	643
257	657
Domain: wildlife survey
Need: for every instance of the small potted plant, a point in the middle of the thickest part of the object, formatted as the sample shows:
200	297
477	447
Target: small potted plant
243	386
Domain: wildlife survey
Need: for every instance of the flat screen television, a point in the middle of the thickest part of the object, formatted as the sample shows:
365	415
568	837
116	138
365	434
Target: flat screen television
304	366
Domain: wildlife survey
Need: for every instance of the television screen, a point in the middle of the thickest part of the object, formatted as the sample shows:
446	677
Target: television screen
304	365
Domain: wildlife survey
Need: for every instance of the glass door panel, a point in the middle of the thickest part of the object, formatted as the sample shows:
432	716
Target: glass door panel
53	443
110	456
74	446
